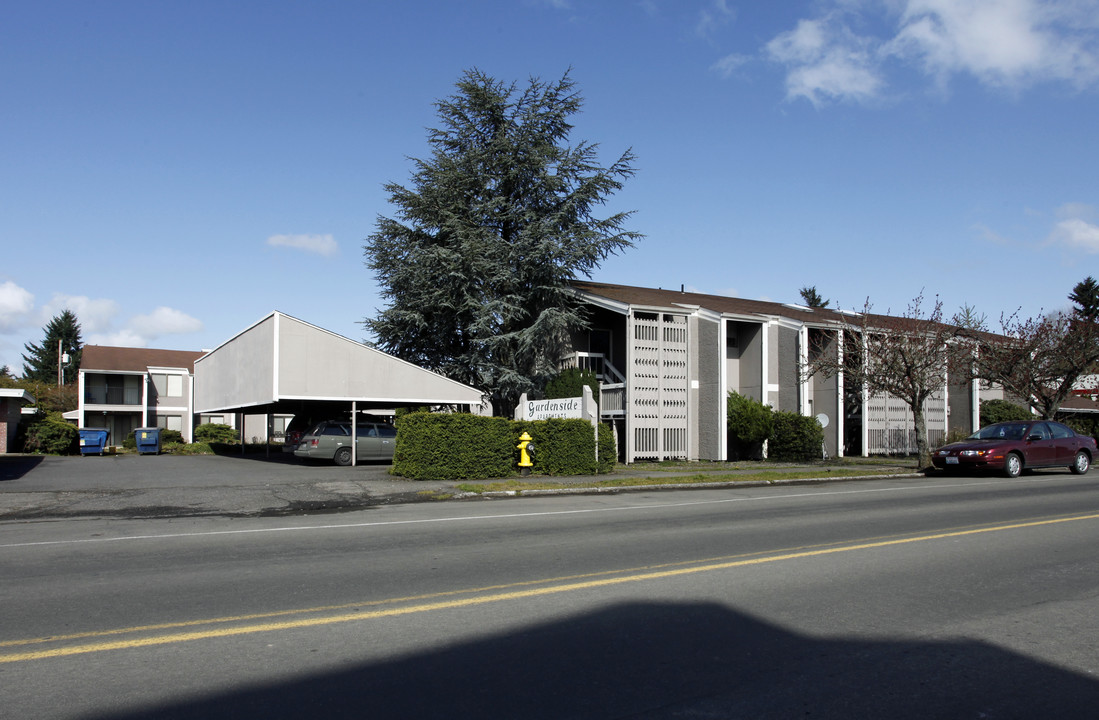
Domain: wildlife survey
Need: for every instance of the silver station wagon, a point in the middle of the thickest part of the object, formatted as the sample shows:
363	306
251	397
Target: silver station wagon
331	440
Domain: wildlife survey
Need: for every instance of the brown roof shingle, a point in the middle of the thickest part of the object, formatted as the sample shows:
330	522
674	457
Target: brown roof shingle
126	359
716	303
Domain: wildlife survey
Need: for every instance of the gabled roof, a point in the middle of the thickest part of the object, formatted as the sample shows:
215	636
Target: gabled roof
649	297
126	359
283	359
17	394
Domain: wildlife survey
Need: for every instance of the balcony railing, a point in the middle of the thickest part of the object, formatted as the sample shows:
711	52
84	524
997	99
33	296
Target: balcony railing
612	400
612	384
598	364
112	396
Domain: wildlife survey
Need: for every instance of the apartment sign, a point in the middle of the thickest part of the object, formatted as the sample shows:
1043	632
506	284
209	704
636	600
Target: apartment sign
560	408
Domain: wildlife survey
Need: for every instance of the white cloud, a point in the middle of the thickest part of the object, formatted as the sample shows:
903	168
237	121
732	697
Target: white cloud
729	64
320	244
826	61
1076	234
713	17
1069	211
119	338
990	235
1008	44
164	321
94	315
142	330
99	320
16	305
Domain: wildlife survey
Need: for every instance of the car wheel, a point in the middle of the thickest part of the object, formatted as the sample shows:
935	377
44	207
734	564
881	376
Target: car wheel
1081	464
1013	465
342	456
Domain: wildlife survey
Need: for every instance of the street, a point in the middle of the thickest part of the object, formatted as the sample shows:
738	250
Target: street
958	597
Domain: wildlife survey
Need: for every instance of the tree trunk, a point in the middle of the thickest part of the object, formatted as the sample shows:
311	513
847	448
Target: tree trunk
923	453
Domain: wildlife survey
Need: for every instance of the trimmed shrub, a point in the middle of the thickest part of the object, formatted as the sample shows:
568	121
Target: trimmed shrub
994	411
215	433
438	446
570	382
52	435
608	449
459	446
750	422
795	438
562	447
173	437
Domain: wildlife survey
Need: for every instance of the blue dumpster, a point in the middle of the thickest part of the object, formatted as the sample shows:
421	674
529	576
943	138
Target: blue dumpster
148	440
93	441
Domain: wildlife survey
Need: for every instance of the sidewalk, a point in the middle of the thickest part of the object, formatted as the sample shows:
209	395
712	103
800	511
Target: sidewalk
164	486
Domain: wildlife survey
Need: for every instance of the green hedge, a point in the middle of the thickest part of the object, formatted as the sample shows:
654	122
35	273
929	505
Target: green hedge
795	438
166	436
216	433
750	422
570	382
994	411
438	446
51	435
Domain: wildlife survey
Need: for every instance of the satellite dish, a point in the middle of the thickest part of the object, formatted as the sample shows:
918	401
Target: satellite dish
823	420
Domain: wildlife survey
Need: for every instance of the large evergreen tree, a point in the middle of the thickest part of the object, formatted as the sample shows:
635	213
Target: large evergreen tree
41	361
1085	299
476	264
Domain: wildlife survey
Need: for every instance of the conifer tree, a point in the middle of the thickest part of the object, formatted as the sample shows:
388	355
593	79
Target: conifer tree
1085	299
476	263
41	361
811	298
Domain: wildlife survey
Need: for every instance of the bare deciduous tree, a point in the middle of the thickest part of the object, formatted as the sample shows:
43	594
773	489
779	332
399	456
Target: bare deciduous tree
907	356
1039	360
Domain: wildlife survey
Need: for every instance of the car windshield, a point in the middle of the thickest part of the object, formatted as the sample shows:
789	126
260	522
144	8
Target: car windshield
1005	431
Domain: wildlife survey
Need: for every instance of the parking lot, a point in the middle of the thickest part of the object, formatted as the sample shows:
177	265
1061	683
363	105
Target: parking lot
36	472
37	487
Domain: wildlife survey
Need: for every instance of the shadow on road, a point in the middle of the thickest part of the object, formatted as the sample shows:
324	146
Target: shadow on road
671	660
15	467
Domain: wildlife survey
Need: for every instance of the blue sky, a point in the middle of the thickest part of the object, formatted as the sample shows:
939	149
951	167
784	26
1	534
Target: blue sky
174	171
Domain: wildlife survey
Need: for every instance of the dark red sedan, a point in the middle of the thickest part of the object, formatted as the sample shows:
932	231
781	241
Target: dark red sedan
1011	447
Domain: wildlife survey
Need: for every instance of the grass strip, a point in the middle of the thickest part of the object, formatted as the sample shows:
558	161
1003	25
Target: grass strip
518	486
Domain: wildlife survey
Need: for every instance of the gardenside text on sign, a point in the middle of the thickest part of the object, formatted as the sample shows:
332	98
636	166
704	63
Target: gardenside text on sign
561	408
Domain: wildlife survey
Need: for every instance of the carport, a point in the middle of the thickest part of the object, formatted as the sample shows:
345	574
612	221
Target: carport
285	365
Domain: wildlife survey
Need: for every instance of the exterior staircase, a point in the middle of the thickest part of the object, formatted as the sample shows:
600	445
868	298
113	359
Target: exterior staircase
612	383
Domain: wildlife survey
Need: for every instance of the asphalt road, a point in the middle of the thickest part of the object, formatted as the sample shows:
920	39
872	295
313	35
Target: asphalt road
909	598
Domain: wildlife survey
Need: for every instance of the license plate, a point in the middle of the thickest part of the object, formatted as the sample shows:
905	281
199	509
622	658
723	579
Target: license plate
952	461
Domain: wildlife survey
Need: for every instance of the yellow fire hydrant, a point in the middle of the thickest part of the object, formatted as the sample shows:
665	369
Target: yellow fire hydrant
526	447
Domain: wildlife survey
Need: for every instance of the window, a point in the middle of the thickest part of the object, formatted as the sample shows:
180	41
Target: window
1060	432
168	385
170	422
334	429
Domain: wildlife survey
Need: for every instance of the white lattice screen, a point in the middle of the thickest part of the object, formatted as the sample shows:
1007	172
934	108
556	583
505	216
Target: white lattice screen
891	428
659	384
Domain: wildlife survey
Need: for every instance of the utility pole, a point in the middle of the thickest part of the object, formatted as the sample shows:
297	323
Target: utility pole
62	359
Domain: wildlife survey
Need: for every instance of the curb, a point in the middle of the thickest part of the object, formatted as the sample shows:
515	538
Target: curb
725	484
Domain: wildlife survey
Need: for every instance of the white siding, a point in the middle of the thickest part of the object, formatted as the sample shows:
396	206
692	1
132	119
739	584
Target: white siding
659	387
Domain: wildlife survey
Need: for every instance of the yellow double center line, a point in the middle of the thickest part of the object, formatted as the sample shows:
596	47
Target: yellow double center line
344	613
